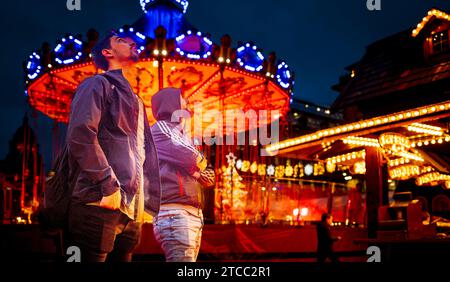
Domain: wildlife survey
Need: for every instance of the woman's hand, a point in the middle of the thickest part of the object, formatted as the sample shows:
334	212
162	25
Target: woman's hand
196	175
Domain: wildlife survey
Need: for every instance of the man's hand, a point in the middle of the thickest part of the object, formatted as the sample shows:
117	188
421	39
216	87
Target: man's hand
112	201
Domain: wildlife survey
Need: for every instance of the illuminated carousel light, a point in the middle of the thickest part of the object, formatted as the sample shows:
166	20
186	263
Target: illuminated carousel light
330	167
436	13
261	169
239	164
283	75
398	161
68	51
136	36
33	66
181	3
419	142
140	35
347	157
431	179
203	49
426	129
359	168
394	142
309	169
289	170
270	170
249	58
404	172
304	211
447	184
361	141
410	156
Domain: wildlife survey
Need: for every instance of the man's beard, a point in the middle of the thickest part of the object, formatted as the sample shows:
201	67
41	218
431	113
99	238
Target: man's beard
134	57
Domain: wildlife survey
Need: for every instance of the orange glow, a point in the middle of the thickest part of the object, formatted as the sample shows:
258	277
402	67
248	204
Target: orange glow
433	13
200	82
355	126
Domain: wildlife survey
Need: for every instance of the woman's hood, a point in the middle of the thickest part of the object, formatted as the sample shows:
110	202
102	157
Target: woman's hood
165	102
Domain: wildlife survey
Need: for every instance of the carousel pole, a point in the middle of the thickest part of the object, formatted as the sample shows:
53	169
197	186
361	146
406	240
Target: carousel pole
220	154
24	162
160	73
217	187
374	178
35	175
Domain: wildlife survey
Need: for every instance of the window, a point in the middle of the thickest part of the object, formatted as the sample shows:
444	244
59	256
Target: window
440	42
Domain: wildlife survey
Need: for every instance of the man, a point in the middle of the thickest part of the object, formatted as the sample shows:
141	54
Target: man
178	226
112	159
325	240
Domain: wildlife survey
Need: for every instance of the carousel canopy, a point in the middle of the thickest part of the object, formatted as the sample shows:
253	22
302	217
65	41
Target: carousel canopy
414	143
173	54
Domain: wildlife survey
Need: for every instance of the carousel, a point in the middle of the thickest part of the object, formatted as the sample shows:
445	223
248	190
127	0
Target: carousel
216	75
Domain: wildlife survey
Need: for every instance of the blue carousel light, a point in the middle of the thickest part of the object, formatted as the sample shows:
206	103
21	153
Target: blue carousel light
193	45
33	66
249	57
137	37
140	35
69	51
284	75
183	3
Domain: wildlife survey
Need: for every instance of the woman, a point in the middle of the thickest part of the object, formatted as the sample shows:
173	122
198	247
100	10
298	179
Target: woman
178	226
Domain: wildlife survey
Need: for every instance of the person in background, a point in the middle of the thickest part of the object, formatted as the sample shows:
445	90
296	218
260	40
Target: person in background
325	240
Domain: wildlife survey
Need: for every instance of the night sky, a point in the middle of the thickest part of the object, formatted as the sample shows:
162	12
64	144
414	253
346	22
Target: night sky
317	38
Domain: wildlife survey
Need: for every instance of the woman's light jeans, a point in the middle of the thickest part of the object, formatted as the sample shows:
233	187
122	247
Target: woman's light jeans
179	234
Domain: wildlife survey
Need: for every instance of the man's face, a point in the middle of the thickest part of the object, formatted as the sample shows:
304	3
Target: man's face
123	50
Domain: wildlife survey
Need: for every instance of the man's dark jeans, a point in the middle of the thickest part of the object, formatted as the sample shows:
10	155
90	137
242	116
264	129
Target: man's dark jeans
102	234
